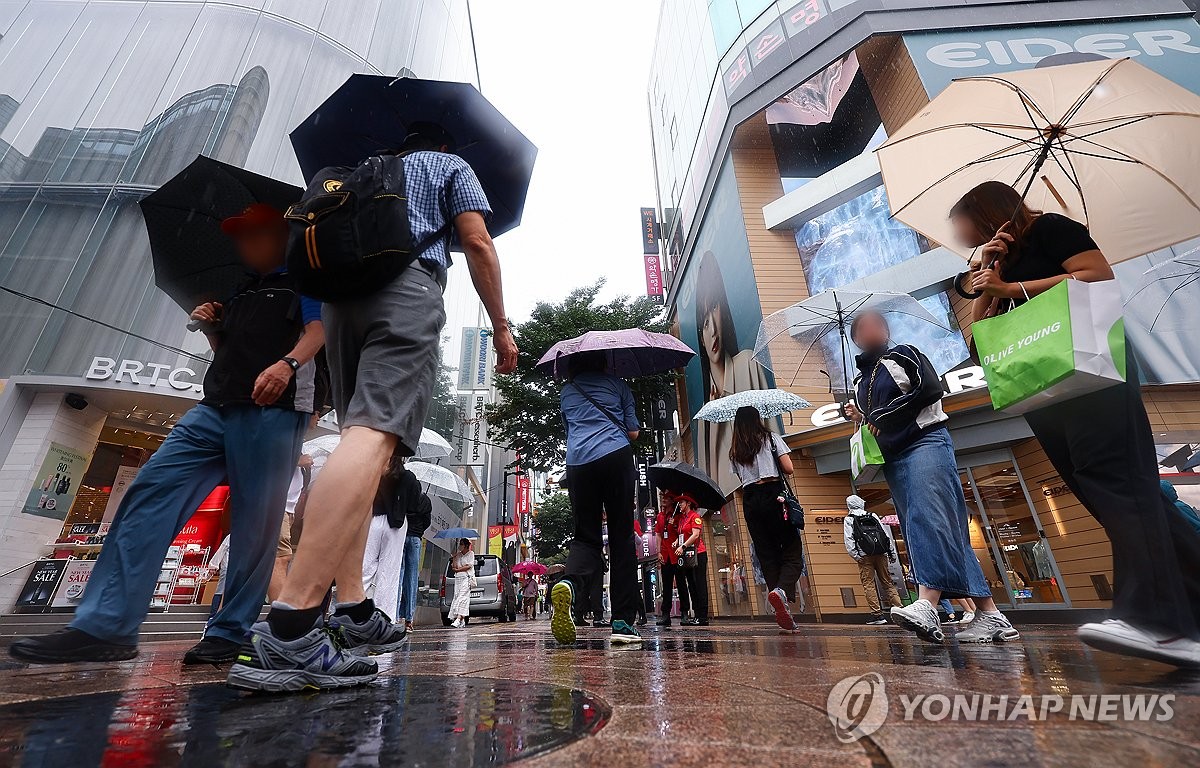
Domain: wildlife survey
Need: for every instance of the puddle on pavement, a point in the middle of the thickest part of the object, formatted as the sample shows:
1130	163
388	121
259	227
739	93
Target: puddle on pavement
409	721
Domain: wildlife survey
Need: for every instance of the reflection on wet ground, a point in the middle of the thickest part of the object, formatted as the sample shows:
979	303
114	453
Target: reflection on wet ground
725	695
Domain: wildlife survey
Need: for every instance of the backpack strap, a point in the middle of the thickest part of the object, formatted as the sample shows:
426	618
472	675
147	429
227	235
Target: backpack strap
616	422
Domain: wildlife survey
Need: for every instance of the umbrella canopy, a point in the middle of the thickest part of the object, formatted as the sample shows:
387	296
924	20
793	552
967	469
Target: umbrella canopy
678	477
631	352
530	567
769	403
370	114
440	481
431	446
556	568
194	261
1175	279
1088	140
807	322
457	533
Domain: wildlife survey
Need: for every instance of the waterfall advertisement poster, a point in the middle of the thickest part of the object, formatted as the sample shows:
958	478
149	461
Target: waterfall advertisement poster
56	483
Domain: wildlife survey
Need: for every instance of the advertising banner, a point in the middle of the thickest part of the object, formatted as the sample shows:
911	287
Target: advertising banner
442	518
120	484
471	433
475	359
649	231
654	278
522	500
40	585
73	583
57	482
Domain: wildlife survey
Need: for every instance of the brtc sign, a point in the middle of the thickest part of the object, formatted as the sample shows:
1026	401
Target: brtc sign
142	374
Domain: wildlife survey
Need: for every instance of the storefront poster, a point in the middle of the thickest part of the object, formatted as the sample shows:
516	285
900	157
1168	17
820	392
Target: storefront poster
39	587
442	517
73	583
57	482
120	485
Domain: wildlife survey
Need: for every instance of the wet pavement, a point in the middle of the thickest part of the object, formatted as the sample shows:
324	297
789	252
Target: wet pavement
739	694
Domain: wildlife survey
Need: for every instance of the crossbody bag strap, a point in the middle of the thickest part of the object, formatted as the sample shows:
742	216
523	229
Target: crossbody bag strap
603	410
783	478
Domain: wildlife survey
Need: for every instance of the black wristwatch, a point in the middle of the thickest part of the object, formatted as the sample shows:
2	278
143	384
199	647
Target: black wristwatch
292	362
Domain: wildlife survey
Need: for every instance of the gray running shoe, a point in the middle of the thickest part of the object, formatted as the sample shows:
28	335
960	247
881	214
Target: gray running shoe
315	661
920	617
378	634
988	628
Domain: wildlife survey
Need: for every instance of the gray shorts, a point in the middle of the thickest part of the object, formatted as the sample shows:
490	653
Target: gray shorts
383	355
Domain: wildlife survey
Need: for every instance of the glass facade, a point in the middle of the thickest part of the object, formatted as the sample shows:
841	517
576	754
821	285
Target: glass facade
100	102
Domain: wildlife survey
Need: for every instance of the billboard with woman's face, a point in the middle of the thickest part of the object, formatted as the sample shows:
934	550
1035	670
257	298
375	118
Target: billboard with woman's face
719	315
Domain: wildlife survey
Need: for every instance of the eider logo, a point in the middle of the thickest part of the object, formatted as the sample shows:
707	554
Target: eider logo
333	185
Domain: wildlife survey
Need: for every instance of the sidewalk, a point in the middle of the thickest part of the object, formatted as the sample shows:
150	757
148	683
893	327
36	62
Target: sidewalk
727	695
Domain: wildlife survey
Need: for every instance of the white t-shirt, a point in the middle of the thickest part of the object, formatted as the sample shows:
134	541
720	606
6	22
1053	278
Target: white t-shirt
294	491
764	463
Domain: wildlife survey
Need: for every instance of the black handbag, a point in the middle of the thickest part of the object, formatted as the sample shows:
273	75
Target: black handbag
793	510
690	558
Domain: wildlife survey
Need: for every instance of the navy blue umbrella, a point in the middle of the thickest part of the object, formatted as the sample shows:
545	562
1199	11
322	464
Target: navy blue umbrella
369	114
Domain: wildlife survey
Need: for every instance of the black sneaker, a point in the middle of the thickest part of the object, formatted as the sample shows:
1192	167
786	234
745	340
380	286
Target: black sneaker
69	645
378	634
664	622
315	661
641	622
701	622
690	622
601	623
212	650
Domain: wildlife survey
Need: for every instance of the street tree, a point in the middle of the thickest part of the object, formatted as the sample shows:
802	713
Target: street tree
553	527
526	416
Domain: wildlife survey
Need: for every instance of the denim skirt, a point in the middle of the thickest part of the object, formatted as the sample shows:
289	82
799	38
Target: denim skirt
933	515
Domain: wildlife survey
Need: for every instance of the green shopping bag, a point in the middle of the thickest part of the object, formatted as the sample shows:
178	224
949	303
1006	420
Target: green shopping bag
866	460
1063	343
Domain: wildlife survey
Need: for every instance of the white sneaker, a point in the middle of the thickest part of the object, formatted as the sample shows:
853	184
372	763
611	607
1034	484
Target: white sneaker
1117	636
988	628
920	617
967	618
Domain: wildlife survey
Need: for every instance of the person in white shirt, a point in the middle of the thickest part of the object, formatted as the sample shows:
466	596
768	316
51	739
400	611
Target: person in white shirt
867	541
301	479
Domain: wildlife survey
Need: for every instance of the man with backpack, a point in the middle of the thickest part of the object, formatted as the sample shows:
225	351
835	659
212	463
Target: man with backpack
373	242
870	546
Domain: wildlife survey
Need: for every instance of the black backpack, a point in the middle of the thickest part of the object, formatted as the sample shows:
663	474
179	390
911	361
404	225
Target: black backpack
350	231
869	536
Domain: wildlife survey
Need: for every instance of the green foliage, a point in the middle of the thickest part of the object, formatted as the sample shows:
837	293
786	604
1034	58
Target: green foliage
554	525
526	414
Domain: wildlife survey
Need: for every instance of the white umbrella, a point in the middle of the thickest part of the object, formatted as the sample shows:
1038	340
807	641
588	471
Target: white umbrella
768	402
431	446
440	481
829	312
1107	143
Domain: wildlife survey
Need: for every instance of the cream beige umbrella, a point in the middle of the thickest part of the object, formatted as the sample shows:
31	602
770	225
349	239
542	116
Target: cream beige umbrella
1108	143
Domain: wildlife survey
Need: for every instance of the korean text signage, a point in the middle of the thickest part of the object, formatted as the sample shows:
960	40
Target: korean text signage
474	362
523	499
139	374
649	231
57	482
654	278
1170	47
772	48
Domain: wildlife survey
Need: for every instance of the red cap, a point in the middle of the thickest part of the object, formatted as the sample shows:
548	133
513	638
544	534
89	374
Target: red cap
254	216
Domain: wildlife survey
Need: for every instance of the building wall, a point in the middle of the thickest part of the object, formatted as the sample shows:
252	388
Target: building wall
22	536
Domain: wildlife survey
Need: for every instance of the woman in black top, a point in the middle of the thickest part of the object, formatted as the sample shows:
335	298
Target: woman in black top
1100	443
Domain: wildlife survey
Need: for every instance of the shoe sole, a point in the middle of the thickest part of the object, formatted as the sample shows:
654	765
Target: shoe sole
562	623
783	617
90	653
934	635
247	678
191	660
1119	645
625	639
376	650
999	636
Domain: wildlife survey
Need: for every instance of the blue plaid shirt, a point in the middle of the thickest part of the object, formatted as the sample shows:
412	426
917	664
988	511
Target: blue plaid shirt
440	187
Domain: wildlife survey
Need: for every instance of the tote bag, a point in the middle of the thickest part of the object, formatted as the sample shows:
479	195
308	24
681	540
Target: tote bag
866	460
1063	343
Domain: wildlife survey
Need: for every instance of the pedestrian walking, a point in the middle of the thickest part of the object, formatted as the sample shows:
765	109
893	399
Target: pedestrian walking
870	546
463	568
383	354
419	519
383	559
666	527
529	591
1100	443
899	395
601	424
259	394
692	559
760	458
301	478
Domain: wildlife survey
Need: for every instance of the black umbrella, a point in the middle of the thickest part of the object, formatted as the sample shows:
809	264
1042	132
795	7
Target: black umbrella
194	261
369	114
678	477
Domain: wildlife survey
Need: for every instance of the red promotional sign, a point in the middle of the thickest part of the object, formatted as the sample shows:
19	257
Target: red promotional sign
523	499
654	281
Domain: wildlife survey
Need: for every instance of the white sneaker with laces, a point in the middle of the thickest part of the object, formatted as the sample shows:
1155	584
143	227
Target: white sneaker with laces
988	628
920	617
967	618
1117	636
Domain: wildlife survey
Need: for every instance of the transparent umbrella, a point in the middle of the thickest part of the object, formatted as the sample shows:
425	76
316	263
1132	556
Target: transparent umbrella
431	446
1176	279
440	481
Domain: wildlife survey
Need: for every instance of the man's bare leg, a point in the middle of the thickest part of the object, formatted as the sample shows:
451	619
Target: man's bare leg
336	516
278	575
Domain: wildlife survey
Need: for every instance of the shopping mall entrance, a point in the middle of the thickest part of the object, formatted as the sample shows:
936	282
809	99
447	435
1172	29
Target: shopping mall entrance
1006	533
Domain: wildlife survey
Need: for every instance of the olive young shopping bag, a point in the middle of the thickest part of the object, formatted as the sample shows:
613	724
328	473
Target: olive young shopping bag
1066	342
866	460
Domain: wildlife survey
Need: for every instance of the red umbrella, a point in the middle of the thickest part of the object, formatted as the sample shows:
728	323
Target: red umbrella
529	566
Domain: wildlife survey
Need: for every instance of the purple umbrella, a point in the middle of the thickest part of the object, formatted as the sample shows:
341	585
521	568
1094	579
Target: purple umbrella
631	352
